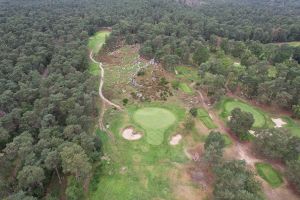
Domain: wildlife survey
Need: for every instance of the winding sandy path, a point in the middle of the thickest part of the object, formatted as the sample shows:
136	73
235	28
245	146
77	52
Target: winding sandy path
102	82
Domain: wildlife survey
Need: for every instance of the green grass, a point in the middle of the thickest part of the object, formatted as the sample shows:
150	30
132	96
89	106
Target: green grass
292	126
269	174
185	72
154	121
205	118
185	88
147	175
228	105
228	141
96	42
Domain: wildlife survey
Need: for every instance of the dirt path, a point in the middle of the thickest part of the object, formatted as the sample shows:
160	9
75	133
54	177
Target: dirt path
102	82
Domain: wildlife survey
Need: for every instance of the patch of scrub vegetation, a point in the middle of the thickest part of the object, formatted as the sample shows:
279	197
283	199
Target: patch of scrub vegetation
121	66
292	126
188	73
227	105
205	118
96	42
136	169
185	88
269	174
94	69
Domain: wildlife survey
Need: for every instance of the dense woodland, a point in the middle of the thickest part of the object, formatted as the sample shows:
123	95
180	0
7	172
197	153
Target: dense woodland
48	99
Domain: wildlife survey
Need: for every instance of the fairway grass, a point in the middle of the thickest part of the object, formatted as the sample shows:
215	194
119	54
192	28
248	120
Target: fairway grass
292	126
269	174
205	118
137	170
229	104
188	73
154	121
185	88
96	42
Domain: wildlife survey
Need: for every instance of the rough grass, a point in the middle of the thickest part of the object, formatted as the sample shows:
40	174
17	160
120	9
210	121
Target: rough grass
228	141
186	72
136	169
185	88
154	121
227	105
292	126
269	174
205	118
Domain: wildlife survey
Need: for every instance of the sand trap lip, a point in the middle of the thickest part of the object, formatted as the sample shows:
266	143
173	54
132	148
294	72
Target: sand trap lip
175	139
129	134
278	122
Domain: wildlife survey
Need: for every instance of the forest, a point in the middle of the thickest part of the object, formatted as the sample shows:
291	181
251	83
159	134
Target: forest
49	102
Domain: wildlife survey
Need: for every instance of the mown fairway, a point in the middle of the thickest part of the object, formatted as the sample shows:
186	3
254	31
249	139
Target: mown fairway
97	41
269	174
229	105
205	118
185	88
154	121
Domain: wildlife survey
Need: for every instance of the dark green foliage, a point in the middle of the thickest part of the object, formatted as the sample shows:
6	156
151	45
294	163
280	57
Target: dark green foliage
214	145
234	181
240	123
194	112
201	55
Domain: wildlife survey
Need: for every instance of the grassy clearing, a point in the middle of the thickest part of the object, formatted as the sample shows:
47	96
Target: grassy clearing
136	170
154	121
96	42
185	88
228	141
185	72
205	118
227	105
269	174
292	126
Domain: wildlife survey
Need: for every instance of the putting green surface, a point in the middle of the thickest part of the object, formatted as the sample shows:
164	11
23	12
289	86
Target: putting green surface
155	121
229	105
269	174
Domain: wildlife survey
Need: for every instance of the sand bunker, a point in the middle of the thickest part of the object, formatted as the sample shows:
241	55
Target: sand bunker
278	122
175	139
252	132
129	134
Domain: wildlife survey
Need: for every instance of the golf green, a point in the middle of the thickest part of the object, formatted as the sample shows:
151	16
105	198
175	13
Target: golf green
155	121
258	116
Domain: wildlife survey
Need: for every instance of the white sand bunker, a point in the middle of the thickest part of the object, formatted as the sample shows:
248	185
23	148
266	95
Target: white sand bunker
129	134
278	122
252	132
175	139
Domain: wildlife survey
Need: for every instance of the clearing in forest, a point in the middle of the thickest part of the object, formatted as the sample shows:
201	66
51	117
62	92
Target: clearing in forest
154	121
97	41
228	105
269	174
188	73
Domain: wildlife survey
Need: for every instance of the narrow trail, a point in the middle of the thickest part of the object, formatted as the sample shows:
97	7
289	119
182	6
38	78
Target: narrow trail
102	82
